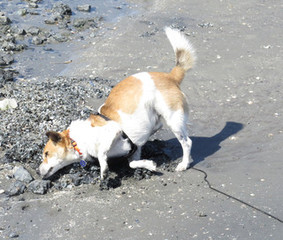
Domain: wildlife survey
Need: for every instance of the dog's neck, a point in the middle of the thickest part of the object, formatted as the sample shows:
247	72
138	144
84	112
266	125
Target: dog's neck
86	136
82	135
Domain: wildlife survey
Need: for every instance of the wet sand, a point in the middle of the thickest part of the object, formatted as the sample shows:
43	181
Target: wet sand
235	102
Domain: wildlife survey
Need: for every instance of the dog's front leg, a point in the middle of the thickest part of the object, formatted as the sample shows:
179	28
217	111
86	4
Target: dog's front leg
102	159
136	162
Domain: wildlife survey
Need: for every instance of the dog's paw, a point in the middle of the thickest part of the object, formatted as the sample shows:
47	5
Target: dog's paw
152	166
182	167
147	164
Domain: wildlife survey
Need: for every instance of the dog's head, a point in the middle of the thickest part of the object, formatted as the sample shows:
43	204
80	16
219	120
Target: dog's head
57	153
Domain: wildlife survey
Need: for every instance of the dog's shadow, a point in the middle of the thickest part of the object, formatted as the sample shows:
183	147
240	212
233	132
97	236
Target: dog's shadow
165	153
202	147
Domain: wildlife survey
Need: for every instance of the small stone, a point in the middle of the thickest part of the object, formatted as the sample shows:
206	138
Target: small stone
33	5
13	235
6	59
84	8
16	188
33	31
62	10
22	12
39	186
59	38
37	40
5	76
79	22
21	174
4	20
51	20
8	104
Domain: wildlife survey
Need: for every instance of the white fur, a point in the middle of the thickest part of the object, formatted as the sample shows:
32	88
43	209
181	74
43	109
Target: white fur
99	142
141	124
179	42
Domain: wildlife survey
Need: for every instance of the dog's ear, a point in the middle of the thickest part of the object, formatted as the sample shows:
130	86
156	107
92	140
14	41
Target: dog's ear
54	136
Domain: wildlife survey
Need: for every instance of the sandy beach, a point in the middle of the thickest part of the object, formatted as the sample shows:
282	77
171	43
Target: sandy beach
234	92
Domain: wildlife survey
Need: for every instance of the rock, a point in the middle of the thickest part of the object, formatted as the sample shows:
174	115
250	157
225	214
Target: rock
8	104
21	174
5	76
16	188
37	40
19	31
79	22
4	20
10	46
22	12
39	186
6	59
51	20
84	8
61	10
141	173
34	31
59	38
77	178
13	235
33	5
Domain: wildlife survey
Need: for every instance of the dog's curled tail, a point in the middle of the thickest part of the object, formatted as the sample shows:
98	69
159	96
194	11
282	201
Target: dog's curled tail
184	52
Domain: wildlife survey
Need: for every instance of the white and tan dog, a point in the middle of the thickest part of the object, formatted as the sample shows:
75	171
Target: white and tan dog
136	107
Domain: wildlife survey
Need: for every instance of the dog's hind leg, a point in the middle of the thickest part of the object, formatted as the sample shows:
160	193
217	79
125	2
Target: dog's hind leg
186	144
136	162
177	122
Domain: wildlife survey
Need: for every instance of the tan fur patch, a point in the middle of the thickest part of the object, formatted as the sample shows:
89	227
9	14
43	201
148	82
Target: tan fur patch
125	96
170	89
51	148
97	121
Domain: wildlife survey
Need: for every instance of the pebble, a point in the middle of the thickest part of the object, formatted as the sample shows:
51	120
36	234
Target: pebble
22	12
38	40
6	59
13	235
84	8
33	31
79	22
21	174
8	104
4	20
61	10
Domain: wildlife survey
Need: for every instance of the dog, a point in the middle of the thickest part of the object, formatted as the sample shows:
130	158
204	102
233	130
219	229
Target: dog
133	111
